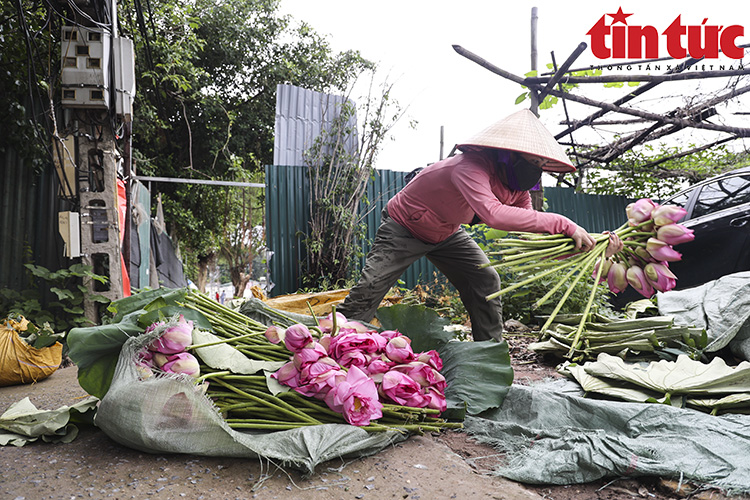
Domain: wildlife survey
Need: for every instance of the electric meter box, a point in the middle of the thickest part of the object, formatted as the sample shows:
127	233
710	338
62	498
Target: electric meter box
85	56
124	75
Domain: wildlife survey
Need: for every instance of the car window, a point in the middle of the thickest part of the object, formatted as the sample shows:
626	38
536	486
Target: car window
680	199
722	194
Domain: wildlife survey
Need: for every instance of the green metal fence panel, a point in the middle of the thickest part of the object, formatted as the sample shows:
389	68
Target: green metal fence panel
288	215
28	220
595	213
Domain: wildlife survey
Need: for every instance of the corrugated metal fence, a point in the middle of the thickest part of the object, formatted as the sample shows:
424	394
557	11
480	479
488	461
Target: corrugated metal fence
28	220
287	208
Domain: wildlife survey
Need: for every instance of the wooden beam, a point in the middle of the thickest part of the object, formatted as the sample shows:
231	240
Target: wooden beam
560	73
742	132
627	97
693	75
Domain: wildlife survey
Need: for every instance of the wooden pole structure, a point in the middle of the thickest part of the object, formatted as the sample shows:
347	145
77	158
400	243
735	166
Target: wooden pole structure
533	94
442	140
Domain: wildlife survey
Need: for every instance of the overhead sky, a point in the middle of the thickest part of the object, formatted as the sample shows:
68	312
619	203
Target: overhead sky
412	41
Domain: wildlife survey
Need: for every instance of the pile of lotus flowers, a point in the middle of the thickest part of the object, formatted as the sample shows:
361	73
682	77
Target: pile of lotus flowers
648	238
168	353
355	370
335	372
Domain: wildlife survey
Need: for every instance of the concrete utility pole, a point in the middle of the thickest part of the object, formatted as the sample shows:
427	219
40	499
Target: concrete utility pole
98	84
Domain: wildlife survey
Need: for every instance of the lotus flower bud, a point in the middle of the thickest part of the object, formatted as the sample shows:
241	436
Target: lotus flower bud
160	359
297	337
311	353
275	334
288	375
398	349
144	371
184	363
617	277
637	279
432	358
643	254
674	234
176	337
668	214
660	276
661	250
640	211
605	269
326	324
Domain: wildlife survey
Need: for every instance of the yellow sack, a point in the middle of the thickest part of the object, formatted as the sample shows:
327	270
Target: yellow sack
21	363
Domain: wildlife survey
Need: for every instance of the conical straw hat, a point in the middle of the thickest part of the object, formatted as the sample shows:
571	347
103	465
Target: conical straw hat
523	132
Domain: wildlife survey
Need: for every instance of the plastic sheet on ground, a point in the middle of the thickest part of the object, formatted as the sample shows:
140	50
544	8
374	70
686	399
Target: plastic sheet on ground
552	435
722	307
168	415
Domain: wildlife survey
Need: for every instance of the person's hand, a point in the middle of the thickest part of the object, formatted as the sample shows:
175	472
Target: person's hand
614	246
583	240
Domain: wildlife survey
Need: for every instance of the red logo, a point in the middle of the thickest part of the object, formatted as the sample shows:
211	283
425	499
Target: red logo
620	40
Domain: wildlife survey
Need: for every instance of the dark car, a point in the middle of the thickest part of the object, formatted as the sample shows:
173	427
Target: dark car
718	211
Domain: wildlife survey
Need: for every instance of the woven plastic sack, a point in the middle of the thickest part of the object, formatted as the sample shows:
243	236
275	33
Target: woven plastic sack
166	414
21	363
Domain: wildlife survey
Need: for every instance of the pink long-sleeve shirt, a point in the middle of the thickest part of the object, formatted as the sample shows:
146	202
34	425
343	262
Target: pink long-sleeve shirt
448	193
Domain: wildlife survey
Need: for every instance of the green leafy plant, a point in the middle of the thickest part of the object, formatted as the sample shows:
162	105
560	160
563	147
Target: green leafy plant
338	182
65	284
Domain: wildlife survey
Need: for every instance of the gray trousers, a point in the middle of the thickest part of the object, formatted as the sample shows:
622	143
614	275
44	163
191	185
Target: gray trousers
458	258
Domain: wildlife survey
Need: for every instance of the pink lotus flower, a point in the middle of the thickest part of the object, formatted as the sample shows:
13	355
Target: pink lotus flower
184	363
435	399
617	277
432	358
637	279
356	397
354	358
668	214
154	326
398	349
297	337
377	367
640	211
325	341
176	337
390	334
311	353
403	390
366	342
661	250
423	374
146	357
660	276
311	371
288	375
274	334
674	234
326	324
321	384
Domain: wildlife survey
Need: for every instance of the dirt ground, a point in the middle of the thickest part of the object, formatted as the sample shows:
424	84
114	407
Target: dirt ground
449	465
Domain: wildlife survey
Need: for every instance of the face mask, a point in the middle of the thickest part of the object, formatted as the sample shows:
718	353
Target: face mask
522	175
